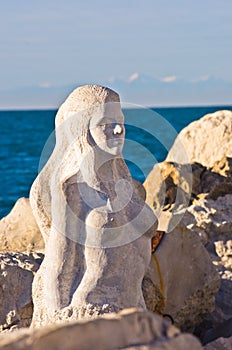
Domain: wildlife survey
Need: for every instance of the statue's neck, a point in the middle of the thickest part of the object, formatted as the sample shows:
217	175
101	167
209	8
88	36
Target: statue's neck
102	171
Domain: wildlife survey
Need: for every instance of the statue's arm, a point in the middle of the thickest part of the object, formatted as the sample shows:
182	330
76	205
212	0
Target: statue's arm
63	252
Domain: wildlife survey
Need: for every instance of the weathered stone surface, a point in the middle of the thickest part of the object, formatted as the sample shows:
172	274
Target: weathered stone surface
19	231
209	216
131	329
212	220
97	228
172	186
188	278
153	293
223	167
16	276
209	211
220	344
165	182
177	343
206	140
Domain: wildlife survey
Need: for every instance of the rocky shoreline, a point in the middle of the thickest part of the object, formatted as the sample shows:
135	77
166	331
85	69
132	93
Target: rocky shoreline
197	278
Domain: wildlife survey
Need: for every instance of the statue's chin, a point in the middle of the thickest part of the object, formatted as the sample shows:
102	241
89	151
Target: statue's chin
112	151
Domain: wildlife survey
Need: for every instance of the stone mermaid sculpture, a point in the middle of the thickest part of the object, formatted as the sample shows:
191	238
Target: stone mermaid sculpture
97	229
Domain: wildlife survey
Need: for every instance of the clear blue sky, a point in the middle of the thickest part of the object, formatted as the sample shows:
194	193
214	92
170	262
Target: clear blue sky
60	42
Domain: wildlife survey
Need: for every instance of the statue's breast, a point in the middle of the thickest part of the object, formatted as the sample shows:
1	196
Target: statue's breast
82	199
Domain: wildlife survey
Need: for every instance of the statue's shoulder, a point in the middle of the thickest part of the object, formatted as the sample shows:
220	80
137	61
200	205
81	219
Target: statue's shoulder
71	181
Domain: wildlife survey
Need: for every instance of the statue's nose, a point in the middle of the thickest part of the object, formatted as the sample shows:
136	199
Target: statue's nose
117	129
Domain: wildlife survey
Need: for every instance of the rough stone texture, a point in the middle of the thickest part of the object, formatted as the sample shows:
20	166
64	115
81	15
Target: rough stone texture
209	216
188	278
153	293
131	329
211	220
223	167
16	275
209	211
206	140
163	182
171	186
220	344
97	228
19	231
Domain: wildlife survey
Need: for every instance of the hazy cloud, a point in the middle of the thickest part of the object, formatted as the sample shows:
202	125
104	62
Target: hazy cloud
133	77
169	79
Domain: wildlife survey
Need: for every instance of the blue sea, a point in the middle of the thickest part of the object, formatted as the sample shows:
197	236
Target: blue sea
149	136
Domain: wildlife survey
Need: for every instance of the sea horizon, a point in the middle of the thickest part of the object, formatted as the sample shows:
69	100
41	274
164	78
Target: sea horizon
26	131
50	108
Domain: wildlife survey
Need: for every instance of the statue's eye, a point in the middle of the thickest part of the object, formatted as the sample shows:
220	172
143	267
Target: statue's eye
106	126
110	126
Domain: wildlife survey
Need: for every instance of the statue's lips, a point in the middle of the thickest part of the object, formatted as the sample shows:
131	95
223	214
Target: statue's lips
117	141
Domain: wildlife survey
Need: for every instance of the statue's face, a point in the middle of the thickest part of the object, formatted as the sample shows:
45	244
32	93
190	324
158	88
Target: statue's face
107	128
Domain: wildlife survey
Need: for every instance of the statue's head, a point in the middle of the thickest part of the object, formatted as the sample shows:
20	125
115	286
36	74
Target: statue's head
89	122
90	109
106	128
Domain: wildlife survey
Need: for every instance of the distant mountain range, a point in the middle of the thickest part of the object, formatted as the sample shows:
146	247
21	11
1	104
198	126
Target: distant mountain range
138	88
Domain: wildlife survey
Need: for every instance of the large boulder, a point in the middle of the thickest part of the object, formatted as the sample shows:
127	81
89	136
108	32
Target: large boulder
19	231
208	216
129	329
203	186
206	140
188	278
16	275
211	220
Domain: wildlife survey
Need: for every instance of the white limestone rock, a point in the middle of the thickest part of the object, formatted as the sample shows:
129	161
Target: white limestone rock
16	275
188	278
19	231
172	186
129	329
211	219
206	140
